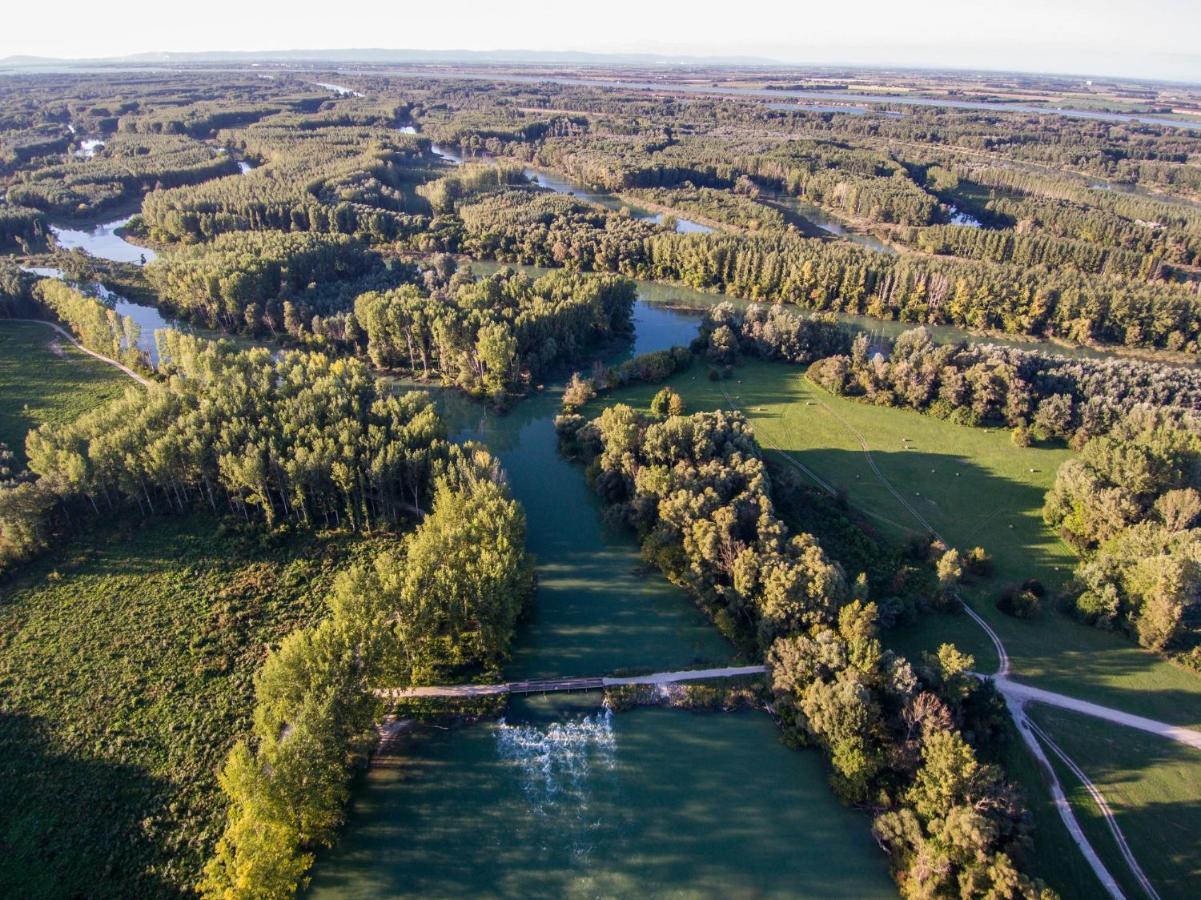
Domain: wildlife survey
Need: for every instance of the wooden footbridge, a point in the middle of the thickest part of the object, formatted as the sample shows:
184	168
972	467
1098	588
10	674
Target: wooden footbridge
563	685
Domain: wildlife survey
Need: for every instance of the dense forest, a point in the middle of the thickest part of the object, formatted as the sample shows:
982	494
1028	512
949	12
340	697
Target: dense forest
1048	395
1130	504
301	438
330	232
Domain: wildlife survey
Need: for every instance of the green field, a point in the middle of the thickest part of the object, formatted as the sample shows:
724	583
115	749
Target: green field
126	664
1153	786
975	487
39	384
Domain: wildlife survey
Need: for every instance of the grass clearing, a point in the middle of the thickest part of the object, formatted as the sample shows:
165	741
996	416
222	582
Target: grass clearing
975	487
44	379
1153	786
126	672
971	485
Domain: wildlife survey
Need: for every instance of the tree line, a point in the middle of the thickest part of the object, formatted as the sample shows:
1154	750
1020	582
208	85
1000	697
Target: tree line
125	168
446	596
540	229
1051	396
1130	505
695	490
492	336
240	281
301	438
337	180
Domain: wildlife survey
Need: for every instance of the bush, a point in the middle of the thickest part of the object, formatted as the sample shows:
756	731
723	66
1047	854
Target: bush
978	562
1021	603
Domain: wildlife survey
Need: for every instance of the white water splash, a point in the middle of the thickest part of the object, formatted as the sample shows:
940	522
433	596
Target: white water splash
559	765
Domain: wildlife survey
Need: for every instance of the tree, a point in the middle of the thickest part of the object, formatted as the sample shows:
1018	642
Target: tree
667	403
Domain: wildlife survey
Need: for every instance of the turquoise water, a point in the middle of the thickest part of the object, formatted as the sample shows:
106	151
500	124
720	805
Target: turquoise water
562	798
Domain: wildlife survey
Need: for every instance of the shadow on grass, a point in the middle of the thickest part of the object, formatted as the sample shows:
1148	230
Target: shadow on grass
69	826
1154	788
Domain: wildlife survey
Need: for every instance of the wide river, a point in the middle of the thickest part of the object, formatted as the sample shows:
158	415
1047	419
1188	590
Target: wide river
854	100
563	799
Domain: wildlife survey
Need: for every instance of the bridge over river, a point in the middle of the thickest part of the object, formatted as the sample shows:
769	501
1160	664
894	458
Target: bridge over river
561	685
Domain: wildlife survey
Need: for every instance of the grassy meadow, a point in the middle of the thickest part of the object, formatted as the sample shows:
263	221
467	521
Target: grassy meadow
975	487
126	672
1153	787
44	379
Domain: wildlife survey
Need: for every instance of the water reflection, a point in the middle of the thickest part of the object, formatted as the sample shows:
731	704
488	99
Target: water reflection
88	148
103	241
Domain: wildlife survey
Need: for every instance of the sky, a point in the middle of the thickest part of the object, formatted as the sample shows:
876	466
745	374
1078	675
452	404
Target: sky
1136	38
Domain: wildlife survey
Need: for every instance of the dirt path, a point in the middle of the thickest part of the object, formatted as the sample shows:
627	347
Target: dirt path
104	359
1106	812
1017	695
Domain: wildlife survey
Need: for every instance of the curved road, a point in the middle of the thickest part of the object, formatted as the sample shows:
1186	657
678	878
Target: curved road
1017	695
70	337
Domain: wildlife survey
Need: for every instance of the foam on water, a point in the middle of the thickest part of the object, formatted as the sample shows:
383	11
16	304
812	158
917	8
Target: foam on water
560	767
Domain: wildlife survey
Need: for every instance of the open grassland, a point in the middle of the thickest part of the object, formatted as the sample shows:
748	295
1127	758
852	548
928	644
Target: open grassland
45	379
1153	787
126	672
974	487
971	485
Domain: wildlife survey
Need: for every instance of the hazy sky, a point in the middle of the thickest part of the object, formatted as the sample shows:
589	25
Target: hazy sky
1151	38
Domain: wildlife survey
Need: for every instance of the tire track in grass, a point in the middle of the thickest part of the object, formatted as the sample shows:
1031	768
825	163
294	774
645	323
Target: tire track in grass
1025	726
1106	812
813	476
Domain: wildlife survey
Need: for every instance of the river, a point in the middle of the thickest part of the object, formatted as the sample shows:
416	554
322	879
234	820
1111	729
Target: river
561	185
823	222
563	799
103	241
691	302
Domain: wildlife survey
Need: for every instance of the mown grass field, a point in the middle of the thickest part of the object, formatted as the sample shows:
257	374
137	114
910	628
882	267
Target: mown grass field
126	672
975	487
39	384
1153	786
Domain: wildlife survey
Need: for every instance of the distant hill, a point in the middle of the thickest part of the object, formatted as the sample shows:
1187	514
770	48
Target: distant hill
383	56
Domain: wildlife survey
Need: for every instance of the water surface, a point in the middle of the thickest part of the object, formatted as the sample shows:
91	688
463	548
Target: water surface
103	241
565	800
562	798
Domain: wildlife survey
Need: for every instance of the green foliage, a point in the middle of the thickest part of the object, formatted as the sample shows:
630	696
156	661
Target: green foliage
1032	392
242	281
491	336
97	327
339	179
449	596
163	627
41	385
1130	504
298	438
125	167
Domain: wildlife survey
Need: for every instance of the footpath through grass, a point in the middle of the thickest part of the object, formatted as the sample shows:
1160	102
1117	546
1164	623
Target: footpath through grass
126	672
975	487
1153	787
43	378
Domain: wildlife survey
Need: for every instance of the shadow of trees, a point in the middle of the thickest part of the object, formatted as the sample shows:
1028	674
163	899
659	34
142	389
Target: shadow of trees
65	823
